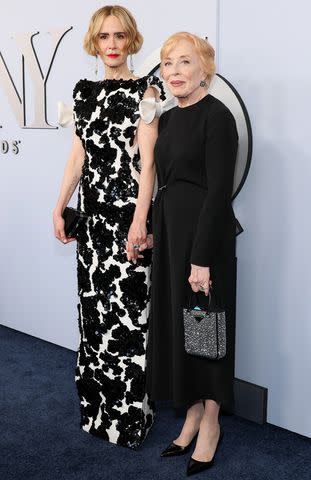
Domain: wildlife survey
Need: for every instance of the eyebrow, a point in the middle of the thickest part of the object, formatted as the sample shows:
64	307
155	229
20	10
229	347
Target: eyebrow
181	56
107	33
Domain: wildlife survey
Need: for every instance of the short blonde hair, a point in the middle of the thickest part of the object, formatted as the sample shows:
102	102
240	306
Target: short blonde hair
134	37
203	48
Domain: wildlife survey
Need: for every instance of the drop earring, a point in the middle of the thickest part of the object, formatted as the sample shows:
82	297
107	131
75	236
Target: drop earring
131	64
96	65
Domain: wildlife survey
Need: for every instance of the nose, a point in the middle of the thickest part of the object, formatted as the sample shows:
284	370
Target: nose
175	69
112	42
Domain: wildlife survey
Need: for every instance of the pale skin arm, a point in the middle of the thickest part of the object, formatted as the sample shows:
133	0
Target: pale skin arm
146	137
70	181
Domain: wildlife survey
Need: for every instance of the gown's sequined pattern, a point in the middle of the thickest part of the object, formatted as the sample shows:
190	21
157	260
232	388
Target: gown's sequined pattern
114	294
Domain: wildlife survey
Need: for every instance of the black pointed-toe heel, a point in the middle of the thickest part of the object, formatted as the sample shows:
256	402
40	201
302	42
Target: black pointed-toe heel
195	466
174	450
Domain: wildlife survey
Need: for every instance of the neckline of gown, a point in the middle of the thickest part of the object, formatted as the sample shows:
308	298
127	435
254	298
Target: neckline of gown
193	105
121	80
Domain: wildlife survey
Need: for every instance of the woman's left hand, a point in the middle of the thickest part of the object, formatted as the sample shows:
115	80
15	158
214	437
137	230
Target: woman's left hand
148	243
199	279
137	236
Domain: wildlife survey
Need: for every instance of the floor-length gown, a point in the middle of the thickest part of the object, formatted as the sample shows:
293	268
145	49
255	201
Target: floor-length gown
193	223
114	294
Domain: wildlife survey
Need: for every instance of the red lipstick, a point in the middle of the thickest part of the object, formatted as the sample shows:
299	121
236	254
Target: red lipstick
113	55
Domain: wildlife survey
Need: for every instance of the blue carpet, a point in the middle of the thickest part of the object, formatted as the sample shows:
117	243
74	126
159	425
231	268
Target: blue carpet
41	438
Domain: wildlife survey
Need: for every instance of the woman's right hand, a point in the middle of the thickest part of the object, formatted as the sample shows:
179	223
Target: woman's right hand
59	229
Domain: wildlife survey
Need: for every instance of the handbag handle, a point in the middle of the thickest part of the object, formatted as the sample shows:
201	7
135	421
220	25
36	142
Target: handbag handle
195	294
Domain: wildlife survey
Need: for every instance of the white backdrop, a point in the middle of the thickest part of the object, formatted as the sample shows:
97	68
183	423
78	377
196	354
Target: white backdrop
265	59
264	51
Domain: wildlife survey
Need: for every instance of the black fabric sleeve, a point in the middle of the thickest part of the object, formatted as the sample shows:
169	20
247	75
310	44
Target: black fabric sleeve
221	144
162	121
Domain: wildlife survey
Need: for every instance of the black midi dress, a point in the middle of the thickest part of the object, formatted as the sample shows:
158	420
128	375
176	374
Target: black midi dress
193	223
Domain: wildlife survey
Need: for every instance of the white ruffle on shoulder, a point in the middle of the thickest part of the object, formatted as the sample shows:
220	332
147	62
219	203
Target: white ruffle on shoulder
64	114
149	108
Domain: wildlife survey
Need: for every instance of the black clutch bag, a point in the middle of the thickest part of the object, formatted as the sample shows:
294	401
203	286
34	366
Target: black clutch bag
73	221
204	329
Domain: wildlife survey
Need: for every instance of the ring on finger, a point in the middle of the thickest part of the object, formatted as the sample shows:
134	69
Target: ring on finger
136	247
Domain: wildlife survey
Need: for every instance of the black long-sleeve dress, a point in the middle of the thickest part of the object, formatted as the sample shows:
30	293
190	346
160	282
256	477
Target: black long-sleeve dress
193	222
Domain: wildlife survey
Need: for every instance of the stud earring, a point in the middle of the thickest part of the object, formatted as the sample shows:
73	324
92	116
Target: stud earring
203	83
131	64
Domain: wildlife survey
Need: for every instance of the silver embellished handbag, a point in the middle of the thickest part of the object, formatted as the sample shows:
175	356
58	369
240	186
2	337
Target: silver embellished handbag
205	329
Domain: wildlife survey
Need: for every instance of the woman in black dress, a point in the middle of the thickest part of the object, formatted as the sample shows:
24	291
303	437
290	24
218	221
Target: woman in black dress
194	244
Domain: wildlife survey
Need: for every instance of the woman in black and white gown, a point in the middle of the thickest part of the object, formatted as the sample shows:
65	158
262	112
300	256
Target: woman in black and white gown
112	161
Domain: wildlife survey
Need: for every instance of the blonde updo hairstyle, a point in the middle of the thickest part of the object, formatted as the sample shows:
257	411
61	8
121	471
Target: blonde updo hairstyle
134	37
203	48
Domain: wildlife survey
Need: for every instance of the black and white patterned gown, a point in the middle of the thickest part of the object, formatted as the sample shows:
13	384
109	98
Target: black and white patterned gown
114	294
